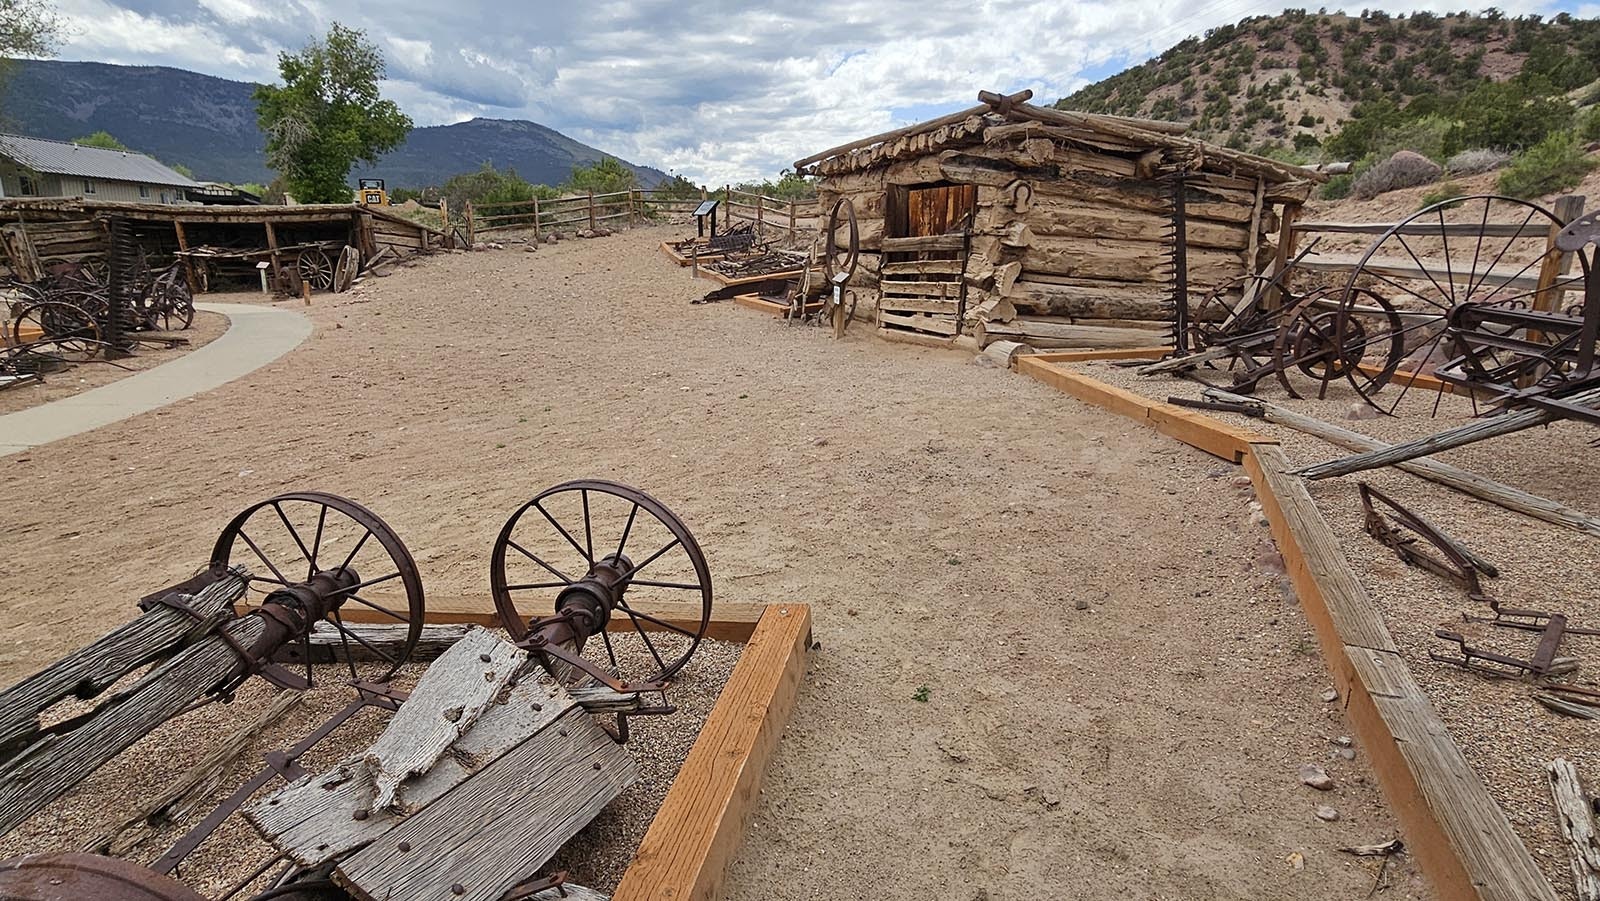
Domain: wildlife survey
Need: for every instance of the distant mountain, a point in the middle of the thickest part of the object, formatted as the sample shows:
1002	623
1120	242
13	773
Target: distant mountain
209	125
539	154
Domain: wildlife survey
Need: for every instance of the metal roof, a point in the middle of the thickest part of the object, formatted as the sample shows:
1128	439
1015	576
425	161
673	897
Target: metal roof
66	158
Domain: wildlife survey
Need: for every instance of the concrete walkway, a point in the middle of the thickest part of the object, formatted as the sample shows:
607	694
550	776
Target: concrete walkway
255	337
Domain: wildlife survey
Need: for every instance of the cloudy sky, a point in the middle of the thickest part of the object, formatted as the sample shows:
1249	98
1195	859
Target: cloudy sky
716	91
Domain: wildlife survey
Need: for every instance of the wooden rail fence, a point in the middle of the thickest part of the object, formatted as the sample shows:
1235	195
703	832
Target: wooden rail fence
772	216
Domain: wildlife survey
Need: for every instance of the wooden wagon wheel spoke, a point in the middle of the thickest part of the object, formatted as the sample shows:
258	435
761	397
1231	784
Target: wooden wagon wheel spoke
314	268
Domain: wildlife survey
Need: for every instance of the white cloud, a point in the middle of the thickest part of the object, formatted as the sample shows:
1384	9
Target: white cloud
718	92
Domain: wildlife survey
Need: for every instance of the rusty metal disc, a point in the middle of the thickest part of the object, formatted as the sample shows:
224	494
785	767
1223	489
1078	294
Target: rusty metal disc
78	876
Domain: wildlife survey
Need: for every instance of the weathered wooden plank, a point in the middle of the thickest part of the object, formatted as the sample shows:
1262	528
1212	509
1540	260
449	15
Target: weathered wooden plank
929	242
694	835
313	819
456	690
1575	816
923	267
1034	331
894	304
86	673
1427	467
503	824
920	289
53	764
376	638
1483	429
938	325
180	799
1424	228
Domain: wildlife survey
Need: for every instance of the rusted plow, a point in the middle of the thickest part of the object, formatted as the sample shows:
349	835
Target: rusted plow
488	765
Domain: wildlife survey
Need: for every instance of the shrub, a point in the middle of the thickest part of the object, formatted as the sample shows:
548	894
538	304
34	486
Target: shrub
1403	170
1472	162
1446	191
1554	164
1589	124
1337	187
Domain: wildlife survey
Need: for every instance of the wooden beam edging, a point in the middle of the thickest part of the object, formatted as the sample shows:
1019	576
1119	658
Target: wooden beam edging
1084	356
685	854
1458	834
1189	426
755	302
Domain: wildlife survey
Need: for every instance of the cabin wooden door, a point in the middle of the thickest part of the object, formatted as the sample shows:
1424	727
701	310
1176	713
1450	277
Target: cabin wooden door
922	287
933	210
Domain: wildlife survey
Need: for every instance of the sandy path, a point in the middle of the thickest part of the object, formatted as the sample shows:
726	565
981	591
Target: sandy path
944	518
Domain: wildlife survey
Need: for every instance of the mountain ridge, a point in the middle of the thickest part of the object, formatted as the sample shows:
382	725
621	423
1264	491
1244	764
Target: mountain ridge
1289	82
209	125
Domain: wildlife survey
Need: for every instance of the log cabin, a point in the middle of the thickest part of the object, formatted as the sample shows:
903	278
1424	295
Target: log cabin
1055	228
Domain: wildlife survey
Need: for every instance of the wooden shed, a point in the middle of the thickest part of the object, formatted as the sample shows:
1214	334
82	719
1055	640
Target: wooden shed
1010	220
36	233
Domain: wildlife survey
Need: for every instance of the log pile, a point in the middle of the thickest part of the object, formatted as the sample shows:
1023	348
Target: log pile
1059	225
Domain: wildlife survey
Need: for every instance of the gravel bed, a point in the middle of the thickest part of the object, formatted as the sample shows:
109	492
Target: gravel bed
1506	735
596	857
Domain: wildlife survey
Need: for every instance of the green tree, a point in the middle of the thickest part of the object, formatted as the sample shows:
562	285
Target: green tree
605	177
102	140
489	185
327	115
28	28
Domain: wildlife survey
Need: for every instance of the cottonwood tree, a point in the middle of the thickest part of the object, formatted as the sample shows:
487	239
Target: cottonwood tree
28	28
327	114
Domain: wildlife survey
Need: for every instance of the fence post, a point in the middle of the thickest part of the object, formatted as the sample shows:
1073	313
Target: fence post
591	210
536	222
471	236
792	203
444	215
761	202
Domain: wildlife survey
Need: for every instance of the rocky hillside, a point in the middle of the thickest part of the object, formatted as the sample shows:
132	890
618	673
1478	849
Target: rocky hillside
1290	81
209	125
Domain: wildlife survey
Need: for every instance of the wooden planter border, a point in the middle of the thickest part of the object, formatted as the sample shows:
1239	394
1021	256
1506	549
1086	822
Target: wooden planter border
685	853
683	260
1460	837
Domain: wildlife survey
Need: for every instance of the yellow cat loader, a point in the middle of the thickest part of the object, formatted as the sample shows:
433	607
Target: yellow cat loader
370	192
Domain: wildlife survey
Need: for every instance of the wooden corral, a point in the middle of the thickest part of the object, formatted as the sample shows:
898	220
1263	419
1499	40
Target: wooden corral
35	234
1015	221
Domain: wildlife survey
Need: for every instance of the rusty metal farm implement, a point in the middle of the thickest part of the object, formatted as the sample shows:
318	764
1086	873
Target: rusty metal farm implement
491	761
1487	296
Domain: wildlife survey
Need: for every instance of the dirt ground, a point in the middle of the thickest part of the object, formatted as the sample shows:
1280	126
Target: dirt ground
1058	657
1507	737
207	327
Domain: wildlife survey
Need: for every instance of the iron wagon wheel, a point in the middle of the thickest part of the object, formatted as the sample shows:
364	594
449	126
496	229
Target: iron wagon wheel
1324	339
1483	251
171	303
535	557
834	259
74	331
315	268
297	535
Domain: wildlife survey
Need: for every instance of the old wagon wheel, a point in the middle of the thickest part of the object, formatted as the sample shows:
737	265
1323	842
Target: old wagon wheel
170	305
303	534
314	268
836	259
73	330
1454	262
575	539
95	270
1326	340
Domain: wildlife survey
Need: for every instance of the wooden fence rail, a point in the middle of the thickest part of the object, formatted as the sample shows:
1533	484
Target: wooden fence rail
771	215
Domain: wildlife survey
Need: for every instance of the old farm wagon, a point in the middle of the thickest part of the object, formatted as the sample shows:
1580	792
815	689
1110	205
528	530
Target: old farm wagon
1062	229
